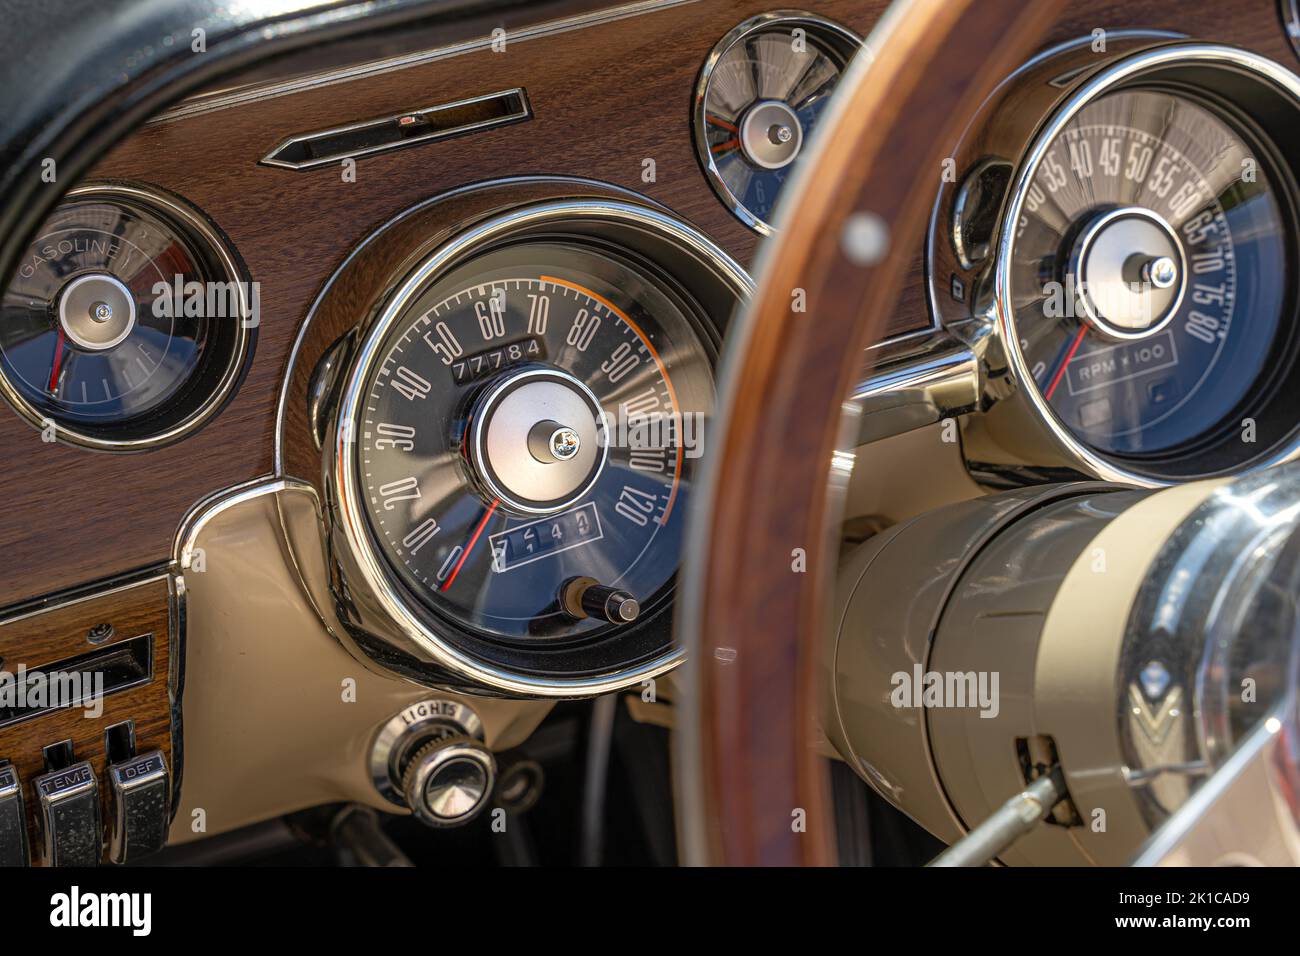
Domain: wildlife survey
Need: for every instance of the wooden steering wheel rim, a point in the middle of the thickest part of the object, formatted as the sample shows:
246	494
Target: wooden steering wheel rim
751	786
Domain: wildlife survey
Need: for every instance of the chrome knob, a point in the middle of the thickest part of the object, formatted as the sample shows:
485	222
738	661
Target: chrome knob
447	782
584	597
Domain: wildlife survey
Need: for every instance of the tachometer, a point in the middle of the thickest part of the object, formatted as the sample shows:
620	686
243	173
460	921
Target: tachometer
1150	272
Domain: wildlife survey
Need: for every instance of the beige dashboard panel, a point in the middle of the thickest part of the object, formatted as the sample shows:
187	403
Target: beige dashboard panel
278	716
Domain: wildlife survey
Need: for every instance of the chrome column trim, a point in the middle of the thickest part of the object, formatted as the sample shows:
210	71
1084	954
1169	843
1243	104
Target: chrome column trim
1225	811
915	384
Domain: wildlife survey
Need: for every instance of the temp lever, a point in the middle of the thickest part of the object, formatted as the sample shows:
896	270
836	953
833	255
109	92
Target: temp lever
69	816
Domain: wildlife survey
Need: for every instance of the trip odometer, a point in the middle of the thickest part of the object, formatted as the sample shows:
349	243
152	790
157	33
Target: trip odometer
527	435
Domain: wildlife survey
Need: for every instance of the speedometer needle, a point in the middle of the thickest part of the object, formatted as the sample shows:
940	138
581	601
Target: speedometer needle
1065	363
473	540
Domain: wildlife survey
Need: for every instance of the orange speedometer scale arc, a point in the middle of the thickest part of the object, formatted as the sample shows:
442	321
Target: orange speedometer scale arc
663	370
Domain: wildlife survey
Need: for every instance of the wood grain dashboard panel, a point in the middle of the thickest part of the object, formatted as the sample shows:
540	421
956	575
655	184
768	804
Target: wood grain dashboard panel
605	98
43	638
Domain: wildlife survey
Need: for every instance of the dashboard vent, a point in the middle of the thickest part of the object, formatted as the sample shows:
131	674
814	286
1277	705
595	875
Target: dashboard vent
327	147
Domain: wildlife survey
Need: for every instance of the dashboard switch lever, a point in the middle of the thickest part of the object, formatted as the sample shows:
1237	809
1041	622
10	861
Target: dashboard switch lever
69	816
13	821
140	791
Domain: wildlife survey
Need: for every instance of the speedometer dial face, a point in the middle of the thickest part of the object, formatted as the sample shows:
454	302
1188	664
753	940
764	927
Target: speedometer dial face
531	426
1149	274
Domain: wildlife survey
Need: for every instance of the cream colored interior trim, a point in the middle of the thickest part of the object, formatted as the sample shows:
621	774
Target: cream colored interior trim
269	725
1078	664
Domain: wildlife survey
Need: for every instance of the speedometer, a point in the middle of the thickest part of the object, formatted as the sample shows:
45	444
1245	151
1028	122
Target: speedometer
531	427
512	432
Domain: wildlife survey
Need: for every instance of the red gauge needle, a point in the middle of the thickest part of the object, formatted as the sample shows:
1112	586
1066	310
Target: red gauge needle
58	362
715	121
473	540
1069	357
726	147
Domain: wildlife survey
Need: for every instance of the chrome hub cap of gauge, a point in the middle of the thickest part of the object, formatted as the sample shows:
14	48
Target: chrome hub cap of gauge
771	135
1128	266
96	312
537	440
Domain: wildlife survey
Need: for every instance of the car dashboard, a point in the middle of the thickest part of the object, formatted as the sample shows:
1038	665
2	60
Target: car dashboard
356	400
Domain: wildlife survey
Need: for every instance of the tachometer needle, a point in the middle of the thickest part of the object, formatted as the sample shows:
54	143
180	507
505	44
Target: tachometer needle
1065	363
58	362
473	540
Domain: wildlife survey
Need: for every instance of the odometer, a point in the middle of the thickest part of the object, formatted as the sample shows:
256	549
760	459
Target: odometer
527	437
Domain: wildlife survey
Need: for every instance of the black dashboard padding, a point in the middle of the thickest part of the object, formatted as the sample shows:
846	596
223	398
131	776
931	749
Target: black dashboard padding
77	75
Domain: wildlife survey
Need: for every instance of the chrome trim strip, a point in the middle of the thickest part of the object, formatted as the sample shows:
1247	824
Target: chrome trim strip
242	96
208	508
525	112
125	584
347	510
917	386
1099	83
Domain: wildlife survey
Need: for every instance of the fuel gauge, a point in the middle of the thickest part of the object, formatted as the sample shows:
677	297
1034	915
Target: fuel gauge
126	323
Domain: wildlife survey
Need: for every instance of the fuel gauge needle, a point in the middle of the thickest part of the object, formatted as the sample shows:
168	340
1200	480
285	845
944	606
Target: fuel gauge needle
57	364
469	547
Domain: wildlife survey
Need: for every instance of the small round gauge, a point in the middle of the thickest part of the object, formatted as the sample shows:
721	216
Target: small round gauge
1150	279
126	322
760	96
527	437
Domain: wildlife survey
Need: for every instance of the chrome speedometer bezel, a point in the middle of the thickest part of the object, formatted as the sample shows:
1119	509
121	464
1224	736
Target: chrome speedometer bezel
1126	71
381	617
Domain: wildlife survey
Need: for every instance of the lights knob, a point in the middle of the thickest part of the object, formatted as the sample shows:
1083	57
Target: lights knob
447	782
